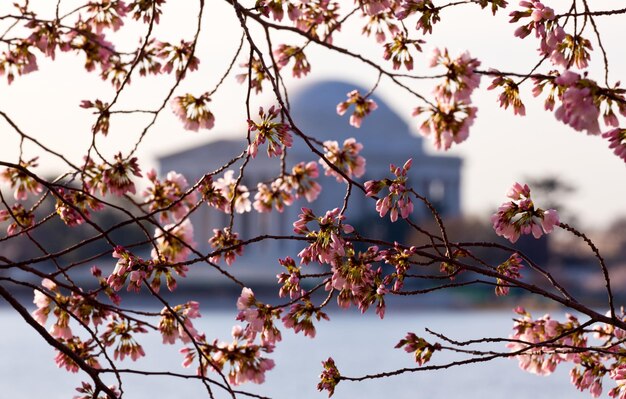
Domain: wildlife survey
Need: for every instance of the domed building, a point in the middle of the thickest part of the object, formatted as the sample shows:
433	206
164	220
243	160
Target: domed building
386	139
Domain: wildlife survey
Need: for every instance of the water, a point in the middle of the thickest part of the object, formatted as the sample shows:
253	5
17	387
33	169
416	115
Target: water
359	344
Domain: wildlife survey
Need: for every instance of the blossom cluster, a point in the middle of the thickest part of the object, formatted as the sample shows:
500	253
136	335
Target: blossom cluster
193	111
226	243
541	344
346	159
175	322
136	271
22	182
582	104
560	47
236	194
327	242
275	133
169	197
449	119
289	281
300	317
276	194
244	358
362	107
259	319
400	259
329	377
421	349
398	50
528	334
281	192
398	201
22	218
120	332
380	22
112	177
284	53
254	73
173	241
520	216
73	207
357	282
509	268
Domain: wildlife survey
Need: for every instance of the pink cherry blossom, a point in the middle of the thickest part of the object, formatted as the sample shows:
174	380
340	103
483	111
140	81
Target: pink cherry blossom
226	243
276	195
617	141
346	159
193	111
516	218
302	180
276	134
398	201
234	192
362	107
173	241
22	181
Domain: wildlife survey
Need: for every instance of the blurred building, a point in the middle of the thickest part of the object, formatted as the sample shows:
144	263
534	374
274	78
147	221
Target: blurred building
386	139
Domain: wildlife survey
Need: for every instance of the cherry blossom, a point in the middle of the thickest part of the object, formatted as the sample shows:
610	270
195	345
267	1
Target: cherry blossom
617	140
399	50
102	124
300	318
397	202
106	15
284	53
346	159
528	334
578	108
22	218
193	111
213	195
510	95
173	241
377	24
114	178
223	239
169	197
73	207
170	326
289	281
257	75
329	242
362	107
22	181
509	268
120	332
274	195
460	80
448	123
302	180
179	58
329	377
275	133
520	216
83	349
234	192
429	14
421	349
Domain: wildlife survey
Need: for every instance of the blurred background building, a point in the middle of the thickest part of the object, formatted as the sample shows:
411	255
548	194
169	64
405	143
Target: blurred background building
386	139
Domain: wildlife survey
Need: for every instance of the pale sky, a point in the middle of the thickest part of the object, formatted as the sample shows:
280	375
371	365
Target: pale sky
502	148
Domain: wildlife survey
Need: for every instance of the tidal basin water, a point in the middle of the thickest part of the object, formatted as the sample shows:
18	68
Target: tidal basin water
359	344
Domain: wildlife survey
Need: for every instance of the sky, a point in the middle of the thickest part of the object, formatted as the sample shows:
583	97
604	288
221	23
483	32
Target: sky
502	148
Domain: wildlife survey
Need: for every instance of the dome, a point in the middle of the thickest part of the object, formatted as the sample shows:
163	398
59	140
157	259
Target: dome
314	111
